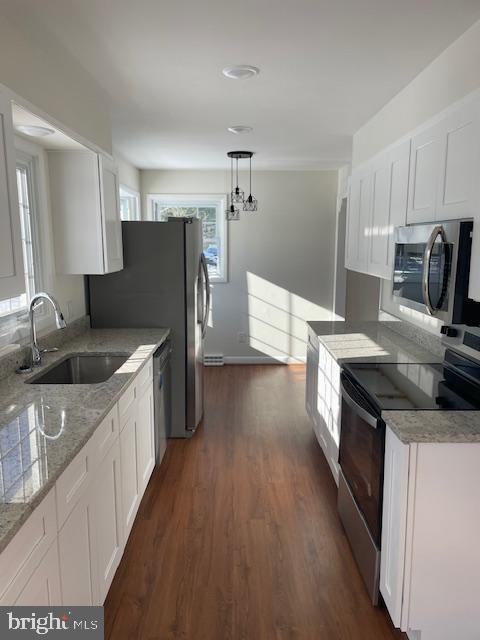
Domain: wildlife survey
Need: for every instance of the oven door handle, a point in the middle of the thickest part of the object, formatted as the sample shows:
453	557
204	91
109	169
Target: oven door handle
362	413
437	231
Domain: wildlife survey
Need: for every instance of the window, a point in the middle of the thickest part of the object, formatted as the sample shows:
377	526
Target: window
211	211
30	244
129	204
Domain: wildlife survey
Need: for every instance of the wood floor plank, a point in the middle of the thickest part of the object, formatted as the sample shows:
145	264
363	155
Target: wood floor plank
237	536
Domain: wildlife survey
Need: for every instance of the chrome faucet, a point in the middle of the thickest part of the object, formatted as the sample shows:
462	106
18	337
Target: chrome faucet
36	301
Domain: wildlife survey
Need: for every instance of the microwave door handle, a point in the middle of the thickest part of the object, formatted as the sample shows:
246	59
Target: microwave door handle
437	231
360	411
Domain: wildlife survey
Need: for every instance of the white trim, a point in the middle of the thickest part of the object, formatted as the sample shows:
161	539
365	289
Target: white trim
284	360
177	199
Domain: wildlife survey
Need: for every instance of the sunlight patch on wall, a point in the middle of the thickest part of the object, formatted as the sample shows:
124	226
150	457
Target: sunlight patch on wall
277	319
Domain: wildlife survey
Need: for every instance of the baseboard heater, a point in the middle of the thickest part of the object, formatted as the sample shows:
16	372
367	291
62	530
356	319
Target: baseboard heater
213	361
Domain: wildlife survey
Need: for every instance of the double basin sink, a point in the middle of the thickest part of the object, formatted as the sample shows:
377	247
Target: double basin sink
81	368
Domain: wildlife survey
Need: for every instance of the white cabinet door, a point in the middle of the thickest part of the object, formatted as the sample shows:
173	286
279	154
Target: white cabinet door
399	165
424	175
128	456
112	226
43	587
145	438
380	236
108	520
394	524
312	377
85	211
389	207
12	279
458	189
359	220
77	564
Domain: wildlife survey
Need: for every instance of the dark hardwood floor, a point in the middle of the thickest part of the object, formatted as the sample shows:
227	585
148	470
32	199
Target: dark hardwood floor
237	536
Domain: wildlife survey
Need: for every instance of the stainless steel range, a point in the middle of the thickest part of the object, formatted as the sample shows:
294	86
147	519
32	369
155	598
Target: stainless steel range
368	390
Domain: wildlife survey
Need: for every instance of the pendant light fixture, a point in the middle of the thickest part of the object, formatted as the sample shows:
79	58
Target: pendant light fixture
233	212
250	204
237	195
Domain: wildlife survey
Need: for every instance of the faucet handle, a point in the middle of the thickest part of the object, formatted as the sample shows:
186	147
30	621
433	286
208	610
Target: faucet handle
49	350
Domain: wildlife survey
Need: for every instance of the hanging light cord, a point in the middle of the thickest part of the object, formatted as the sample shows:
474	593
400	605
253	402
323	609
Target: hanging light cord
237	176
250	192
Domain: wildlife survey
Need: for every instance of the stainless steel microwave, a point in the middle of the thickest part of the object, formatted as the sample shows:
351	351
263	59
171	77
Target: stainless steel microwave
431	271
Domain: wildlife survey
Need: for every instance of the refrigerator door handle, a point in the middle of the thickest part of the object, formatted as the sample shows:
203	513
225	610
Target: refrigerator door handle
206	309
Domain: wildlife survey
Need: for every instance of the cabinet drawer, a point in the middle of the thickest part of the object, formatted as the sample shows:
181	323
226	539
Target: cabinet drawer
105	435
24	553
126	403
73	482
144	378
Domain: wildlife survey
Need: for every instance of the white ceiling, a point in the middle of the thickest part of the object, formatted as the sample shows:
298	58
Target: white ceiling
326	67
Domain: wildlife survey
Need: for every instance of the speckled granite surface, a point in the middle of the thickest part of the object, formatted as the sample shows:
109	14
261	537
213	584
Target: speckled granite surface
434	426
376	342
43	427
370	342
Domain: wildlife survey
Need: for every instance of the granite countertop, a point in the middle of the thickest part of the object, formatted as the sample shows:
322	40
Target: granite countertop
372	342
43	427
377	342
439	427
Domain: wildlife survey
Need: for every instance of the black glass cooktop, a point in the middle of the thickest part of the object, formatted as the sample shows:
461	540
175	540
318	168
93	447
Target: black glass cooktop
397	386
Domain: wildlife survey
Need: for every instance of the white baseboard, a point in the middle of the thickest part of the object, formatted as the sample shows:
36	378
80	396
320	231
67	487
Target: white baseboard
263	360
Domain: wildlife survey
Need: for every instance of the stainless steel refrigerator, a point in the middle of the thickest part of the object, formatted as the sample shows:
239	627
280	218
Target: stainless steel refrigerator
164	283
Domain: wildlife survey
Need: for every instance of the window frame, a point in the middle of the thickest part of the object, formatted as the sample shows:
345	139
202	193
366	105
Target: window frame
131	193
199	200
27	162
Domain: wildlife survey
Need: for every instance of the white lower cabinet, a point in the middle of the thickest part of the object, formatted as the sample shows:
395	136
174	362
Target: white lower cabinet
430	559
76	551
107	511
43	586
323	399
68	550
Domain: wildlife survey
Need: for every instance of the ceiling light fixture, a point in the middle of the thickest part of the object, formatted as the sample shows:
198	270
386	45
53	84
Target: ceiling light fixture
240	71
236	194
240	128
34	130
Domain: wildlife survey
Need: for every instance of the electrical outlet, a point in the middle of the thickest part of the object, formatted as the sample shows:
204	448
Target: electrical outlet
242	337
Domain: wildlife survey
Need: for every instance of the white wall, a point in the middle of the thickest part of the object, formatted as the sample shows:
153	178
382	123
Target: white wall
128	175
49	78
451	76
281	260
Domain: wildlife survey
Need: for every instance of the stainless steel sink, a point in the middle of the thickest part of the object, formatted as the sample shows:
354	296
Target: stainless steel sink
81	368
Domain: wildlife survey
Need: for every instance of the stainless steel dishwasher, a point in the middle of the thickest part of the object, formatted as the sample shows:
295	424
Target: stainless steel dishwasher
162	392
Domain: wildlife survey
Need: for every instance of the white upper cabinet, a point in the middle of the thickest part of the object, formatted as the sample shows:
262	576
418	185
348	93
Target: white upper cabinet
379	194
445	165
12	279
358	220
86	214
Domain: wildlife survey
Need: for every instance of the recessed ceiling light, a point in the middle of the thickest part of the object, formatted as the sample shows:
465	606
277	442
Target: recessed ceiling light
35	131
240	71
240	128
